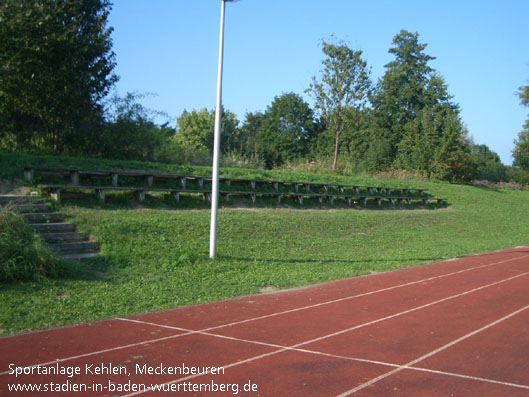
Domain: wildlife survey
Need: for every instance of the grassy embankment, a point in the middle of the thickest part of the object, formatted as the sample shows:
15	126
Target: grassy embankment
155	257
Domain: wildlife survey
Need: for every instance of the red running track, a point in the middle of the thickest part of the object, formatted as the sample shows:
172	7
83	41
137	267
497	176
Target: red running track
454	328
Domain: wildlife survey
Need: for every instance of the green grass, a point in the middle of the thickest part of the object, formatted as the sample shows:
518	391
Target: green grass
155	258
23	256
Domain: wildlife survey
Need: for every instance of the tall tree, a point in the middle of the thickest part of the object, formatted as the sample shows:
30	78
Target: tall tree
520	152
287	129
344	83
401	93
56	66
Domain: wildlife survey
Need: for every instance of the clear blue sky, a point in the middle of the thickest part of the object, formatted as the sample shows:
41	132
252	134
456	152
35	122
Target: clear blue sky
170	48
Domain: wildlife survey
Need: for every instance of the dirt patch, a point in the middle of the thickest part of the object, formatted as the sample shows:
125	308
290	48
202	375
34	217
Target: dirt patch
267	290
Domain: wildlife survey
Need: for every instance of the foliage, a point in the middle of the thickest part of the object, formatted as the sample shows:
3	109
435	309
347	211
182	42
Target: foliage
286	131
488	164
129	131
344	84
415	125
56	66
520	152
195	129
22	253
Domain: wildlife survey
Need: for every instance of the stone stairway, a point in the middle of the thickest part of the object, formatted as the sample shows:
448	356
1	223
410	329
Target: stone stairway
60	236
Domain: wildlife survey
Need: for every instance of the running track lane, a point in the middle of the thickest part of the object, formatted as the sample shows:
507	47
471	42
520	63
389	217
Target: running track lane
450	328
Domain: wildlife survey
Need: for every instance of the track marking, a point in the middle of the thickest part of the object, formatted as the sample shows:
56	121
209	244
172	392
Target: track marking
361	295
188	332
60	360
296	346
433	352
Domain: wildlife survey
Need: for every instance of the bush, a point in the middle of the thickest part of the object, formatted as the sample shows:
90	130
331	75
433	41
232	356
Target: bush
23	255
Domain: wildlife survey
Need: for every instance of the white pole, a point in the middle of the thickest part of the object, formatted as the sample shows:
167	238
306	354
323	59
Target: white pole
216	145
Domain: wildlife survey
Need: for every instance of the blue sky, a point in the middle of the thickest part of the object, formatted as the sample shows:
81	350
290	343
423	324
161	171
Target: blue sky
170	48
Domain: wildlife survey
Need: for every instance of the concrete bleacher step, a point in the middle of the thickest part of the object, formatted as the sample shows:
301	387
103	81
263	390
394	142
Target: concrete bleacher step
60	236
16	199
28	208
74	248
72	237
43	217
61	227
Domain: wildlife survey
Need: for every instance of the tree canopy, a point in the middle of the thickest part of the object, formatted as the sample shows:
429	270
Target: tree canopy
56	66
344	83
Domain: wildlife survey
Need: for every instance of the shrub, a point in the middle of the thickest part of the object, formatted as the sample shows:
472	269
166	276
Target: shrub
23	255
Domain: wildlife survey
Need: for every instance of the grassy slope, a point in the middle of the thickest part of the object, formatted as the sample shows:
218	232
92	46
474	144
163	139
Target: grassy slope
155	259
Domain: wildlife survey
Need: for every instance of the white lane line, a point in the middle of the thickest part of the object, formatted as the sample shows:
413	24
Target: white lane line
378	320
88	354
296	346
111	349
427	355
359	295
356	359
419	369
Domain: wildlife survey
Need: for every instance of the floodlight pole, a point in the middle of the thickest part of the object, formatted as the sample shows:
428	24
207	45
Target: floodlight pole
216	143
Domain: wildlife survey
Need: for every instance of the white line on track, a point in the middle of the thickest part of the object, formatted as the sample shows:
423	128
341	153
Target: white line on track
188	332
433	352
297	346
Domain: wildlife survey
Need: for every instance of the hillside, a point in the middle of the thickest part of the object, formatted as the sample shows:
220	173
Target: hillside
154	255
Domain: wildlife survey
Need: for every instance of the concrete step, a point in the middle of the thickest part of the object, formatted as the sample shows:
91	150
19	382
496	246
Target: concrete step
7	198
72	237
77	257
26	208
75	248
43	217
53	227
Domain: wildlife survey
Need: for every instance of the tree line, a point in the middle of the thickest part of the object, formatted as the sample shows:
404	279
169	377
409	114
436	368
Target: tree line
57	69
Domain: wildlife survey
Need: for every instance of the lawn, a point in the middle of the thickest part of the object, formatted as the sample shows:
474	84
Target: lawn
156	257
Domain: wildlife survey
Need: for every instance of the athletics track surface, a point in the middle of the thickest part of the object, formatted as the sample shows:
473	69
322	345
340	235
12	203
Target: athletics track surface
455	328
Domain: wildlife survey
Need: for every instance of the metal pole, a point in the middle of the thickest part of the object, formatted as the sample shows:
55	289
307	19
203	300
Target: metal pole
216	145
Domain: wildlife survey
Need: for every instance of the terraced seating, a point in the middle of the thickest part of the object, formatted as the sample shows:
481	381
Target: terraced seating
351	194
150	178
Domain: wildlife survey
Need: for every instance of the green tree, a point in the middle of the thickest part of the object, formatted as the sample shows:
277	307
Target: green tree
520	152
56	66
401	93
488	164
414	116
246	143
344	83
286	130
452	160
195	129
129	131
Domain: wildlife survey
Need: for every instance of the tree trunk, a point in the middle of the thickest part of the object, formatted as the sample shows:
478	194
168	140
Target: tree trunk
336	150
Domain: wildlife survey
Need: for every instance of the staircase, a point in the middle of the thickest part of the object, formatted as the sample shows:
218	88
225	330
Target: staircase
60	236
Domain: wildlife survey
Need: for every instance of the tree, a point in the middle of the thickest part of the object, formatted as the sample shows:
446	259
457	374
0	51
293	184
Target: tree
286	130
401	93
344	83
452	160
246	143
520	152
56	66
195	129
488	164
129	131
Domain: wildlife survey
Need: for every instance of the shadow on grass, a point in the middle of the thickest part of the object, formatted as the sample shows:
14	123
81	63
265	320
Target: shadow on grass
331	261
423	260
